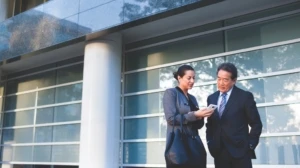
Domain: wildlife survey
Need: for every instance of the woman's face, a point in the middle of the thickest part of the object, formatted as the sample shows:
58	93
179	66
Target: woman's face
188	80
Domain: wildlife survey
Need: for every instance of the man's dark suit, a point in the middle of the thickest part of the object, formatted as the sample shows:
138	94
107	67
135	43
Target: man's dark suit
230	132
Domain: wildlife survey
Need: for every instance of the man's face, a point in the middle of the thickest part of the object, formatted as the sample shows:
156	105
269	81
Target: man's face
224	81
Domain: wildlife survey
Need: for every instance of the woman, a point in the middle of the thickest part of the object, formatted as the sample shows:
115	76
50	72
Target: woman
177	101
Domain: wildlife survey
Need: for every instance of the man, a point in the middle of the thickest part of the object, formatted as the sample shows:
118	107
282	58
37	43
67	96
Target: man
228	138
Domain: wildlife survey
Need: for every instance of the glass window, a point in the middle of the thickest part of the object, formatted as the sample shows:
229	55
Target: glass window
42	154
263	118
263	33
278	151
6	153
18	118
274	59
21	135
264	13
46	97
143	104
144	153
70	112
1	89
142	128
22	153
44	115
257	88
20	101
273	89
43	134
32	82
177	51
163	77
283	118
202	92
141	81
70	74
24	5
65	153
68	93
66	133
60	94
64	113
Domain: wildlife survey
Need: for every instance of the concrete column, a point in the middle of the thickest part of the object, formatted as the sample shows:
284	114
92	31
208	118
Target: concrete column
101	104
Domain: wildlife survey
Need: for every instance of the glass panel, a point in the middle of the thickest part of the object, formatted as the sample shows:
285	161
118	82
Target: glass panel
68	93
59	114
66	133
163	77
22	153
273	89
282	88
174	35
44	115
142	128
43	134
264	33
88	4
278	151
6	153
21	135
67	113
267	60
46	97
201	93
20	101
143	104
61	9
32	82
66	153
141	81
42	154
283	118
6	166
70	74
256	86
1	89
263	117
263	13
177	51
18	118
144	153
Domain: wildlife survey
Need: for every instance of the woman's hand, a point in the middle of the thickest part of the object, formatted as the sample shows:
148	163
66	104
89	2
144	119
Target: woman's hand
203	113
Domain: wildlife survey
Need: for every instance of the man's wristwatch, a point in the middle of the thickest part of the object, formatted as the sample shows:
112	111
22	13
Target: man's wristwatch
251	146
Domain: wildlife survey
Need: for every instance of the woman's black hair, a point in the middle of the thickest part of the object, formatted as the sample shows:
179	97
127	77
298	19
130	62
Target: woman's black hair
181	71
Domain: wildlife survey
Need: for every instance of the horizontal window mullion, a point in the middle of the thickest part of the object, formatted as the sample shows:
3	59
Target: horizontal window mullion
144	140
45	88
143	165
44	106
43	125
41	163
143	116
281	134
43	144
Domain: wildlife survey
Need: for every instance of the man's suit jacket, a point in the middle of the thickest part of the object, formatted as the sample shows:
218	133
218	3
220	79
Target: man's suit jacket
232	127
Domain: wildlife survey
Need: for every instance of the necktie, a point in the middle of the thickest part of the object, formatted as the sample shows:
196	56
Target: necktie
223	103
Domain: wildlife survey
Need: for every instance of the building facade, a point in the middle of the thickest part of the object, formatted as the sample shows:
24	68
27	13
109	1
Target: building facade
82	80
